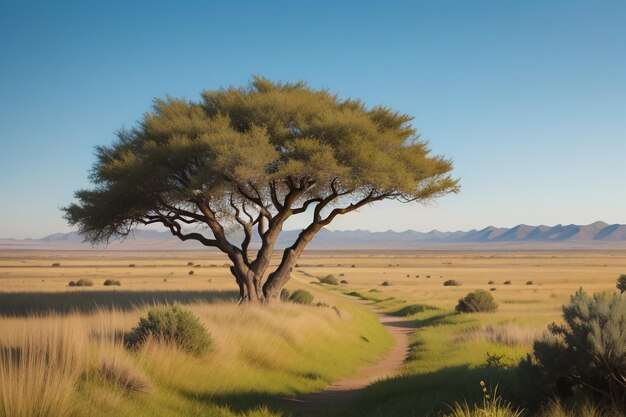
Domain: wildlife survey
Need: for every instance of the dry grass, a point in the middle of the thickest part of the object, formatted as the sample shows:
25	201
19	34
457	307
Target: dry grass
40	366
508	334
296	348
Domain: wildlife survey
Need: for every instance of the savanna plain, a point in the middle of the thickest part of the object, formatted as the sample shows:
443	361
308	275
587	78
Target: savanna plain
64	349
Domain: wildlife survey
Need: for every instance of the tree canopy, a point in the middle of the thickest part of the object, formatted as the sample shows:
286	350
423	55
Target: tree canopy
252	157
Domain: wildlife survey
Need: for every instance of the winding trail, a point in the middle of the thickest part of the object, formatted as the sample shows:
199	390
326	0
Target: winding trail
345	389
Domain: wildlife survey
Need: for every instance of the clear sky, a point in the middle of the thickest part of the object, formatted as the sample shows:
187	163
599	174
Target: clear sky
528	98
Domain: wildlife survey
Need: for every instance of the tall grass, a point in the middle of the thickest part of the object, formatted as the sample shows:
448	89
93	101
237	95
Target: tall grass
77	364
40	366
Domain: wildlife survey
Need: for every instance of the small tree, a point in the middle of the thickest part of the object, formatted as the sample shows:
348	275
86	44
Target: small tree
621	283
252	158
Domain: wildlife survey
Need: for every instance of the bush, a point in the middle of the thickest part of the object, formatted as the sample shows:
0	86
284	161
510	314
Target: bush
587	351
174	325
621	283
353	266
386	284
479	301
529	283
284	294
329	279
343	281
491	282
110	282
451	283
507	282
56	265
131	265
190	273
82	283
412	309
189	263
72	284
492	289
301	297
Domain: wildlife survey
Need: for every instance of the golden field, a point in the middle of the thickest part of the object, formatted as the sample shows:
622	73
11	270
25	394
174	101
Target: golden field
70	340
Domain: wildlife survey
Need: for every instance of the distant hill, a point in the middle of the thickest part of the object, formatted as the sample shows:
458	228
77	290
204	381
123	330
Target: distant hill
598	235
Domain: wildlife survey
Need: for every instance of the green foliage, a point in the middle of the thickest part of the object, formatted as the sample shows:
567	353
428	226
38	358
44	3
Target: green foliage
110	282
174	325
329	279
621	283
587	351
301	297
412	309
478	301
451	283
284	294
268	134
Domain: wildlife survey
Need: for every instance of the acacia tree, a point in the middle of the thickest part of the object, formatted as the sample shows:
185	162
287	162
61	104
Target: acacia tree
252	158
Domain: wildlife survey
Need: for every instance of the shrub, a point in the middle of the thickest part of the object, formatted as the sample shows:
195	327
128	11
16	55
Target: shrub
621	283
342	274
492	289
507	282
491	282
329	279
131	265
451	283
190	273
110	282
72	284
529	283
56	265
189	263
284	294
343	281
478	301
587	351
301	297
173	325
84	283
353	266
385	283
412	309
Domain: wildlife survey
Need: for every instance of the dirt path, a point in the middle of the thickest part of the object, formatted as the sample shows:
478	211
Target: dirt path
345	389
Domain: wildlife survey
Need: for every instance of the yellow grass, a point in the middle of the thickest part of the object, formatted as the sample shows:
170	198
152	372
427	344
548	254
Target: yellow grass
262	353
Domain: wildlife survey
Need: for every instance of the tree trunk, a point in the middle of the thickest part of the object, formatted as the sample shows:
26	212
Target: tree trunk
277	279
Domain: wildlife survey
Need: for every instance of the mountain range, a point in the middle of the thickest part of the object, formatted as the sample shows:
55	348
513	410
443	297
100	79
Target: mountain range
598	235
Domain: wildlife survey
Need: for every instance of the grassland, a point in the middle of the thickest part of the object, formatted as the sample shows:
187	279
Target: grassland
262	354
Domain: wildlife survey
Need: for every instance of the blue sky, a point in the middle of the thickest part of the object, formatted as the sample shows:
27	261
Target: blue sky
528	98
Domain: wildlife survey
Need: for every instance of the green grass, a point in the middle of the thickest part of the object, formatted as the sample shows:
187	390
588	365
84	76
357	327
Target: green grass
445	363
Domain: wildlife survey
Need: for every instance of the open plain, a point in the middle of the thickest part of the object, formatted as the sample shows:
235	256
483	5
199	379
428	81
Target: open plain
263	354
